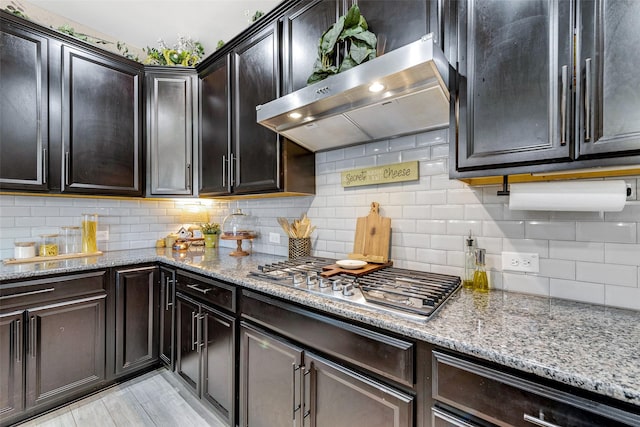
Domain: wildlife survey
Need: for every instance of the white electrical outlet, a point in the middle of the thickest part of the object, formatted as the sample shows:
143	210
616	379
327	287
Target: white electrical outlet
520	261
274	238
102	235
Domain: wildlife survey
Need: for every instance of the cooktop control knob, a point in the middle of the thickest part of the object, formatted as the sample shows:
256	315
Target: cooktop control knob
336	285
312	279
347	290
298	279
322	283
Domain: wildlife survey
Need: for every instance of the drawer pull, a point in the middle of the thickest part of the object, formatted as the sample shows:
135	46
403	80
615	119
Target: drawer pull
196	288
24	294
538	421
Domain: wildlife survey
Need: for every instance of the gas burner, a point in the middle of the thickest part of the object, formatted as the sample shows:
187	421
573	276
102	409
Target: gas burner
410	294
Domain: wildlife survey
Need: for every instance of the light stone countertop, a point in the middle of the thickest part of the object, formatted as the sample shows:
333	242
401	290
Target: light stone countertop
591	347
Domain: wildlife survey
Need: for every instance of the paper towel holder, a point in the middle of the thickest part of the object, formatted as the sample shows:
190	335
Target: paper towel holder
505	186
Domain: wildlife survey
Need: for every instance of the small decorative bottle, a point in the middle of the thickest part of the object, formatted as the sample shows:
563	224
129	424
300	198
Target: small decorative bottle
480	280
469	264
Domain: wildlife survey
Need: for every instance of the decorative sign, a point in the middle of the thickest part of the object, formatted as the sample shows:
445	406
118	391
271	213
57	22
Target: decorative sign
399	172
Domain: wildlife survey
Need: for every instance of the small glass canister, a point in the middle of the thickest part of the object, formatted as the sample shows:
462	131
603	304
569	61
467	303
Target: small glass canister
89	233
71	240
48	245
24	249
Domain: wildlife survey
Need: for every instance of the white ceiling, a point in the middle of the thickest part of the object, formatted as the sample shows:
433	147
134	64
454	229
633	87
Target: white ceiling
141	23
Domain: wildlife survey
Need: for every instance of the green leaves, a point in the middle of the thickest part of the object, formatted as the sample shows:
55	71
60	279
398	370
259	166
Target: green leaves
352	31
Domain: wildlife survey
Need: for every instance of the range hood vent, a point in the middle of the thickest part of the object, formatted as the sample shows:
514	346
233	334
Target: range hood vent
343	110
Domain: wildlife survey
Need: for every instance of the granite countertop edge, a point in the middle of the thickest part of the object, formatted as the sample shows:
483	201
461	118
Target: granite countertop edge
441	330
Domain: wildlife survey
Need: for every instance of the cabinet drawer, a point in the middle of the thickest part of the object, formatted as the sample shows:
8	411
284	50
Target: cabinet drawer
207	290
507	400
387	356
31	292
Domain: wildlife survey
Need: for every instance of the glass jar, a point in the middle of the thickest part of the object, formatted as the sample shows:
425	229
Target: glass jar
48	245
71	240
89	233
239	224
25	249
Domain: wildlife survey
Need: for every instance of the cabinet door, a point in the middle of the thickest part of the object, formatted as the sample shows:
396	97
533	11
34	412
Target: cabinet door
256	149
57	336
340	397
170	133
397	23
269	381
513	97
136	319
101	113
167	322
303	27
187	341
215	125
608	94
11	364
218	367
24	129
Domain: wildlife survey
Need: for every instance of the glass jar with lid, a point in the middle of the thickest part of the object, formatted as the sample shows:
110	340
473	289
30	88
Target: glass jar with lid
48	245
71	240
239	224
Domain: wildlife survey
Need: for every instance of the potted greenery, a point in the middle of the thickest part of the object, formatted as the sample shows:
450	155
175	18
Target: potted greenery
211	234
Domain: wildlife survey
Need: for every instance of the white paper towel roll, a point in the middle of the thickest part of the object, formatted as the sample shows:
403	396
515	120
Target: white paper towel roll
586	196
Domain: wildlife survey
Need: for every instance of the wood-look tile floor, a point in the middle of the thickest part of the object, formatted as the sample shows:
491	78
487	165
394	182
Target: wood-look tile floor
153	399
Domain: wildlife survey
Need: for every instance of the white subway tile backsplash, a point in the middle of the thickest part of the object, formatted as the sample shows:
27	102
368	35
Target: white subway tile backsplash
614	232
585	256
610	274
617	253
620	296
527	284
550	230
557	268
578	251
577	291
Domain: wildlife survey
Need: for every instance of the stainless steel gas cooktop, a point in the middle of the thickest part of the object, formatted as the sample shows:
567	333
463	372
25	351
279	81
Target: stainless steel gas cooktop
410	294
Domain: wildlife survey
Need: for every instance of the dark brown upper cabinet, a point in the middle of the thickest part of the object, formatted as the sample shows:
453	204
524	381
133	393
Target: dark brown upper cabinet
101	121
608	88
512	99
215	128
519	102
255	158
171	123
24	128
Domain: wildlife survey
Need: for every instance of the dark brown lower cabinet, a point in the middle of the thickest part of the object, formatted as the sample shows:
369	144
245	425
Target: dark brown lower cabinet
66	343
205	353
136	318
11	364
283	384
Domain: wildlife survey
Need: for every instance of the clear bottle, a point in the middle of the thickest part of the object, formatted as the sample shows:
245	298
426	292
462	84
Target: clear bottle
480	280
89	233
469	264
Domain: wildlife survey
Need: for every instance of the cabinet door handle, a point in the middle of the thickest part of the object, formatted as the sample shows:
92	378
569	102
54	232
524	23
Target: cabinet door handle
17	341
187	180
193	330
199	333
24	294
295	408
167	296
66	168
232	169
32	336
587	100
224	170
305	411
45	164
538	421
196	288
563	105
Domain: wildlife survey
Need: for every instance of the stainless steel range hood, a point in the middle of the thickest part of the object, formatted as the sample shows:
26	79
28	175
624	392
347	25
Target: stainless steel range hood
342	110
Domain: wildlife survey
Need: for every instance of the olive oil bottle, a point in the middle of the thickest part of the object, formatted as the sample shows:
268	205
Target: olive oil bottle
480	280
469	263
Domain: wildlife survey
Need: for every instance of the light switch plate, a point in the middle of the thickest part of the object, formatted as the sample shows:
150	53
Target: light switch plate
274	238
101	236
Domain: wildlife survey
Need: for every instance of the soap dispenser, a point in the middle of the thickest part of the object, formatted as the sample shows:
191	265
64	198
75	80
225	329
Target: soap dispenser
469	263
480	280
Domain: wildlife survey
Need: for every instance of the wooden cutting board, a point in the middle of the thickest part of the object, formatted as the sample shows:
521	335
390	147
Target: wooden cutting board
373	236
333	269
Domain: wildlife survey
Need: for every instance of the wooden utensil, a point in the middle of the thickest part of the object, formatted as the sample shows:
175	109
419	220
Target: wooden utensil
372	239
333	269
